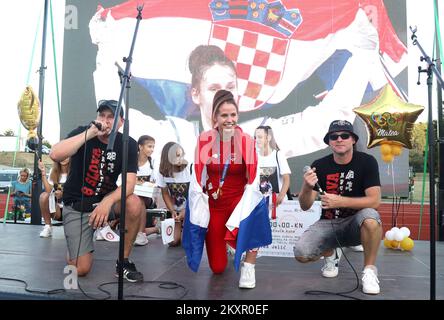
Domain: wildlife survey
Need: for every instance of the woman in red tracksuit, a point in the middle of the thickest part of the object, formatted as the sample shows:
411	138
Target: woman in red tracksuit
230	159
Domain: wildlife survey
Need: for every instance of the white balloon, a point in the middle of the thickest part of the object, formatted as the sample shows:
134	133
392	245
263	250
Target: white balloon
395	229
405	231
389	235
399	236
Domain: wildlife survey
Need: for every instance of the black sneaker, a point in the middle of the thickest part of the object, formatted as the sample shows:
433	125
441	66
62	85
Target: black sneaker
130	272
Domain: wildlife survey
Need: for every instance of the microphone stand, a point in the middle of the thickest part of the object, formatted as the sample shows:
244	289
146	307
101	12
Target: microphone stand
430	70
110	147
36	215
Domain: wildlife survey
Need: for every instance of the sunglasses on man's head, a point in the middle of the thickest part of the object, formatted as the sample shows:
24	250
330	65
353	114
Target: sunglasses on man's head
335	136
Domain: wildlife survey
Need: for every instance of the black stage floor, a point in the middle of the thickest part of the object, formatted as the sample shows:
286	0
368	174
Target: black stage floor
40	262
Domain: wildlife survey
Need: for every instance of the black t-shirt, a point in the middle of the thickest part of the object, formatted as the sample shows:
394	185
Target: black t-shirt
102	168
349	180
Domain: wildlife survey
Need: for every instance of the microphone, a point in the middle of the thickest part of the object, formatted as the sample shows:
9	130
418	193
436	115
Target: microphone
98	125
304	170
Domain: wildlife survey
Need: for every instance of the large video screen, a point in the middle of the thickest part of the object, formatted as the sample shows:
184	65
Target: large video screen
295	66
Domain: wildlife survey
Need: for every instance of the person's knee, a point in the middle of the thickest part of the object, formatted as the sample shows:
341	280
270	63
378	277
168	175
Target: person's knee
217	267
44	197
303	252
83	270
302	259
84	265
133	206
371	225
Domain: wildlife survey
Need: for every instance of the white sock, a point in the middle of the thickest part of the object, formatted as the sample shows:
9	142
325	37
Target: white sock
370	266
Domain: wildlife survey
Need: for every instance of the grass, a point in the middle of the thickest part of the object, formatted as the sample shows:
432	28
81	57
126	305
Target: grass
417	191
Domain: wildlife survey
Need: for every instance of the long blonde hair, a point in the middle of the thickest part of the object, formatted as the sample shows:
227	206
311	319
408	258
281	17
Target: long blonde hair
25	170
56	171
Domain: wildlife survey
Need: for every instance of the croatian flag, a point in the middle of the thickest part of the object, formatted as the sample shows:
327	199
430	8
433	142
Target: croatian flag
248	226
276	45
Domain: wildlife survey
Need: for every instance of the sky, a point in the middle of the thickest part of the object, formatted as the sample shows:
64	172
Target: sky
19	28
17	45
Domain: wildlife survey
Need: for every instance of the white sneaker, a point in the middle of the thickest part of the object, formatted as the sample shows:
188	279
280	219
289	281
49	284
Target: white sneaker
370	282
247	278
358	248
330	268
46	232
141	239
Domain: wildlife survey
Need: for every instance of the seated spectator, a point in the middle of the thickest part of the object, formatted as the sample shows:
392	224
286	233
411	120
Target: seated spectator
50	201
174	180
145	173
22	190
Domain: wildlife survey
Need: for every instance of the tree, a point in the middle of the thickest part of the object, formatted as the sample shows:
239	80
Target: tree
419	137
46	143
417	154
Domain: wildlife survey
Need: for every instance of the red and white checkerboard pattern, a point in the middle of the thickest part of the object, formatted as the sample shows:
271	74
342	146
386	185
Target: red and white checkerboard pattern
260	61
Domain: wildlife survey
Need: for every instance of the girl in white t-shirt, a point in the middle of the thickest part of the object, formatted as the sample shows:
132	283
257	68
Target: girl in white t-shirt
174	180
274	169
53	191
145	173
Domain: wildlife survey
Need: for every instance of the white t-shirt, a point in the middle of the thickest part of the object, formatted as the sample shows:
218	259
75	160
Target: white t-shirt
146	172
62	179
271	172
177	186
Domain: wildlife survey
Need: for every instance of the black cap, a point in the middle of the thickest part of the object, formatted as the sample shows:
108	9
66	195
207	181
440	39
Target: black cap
109	104
340	125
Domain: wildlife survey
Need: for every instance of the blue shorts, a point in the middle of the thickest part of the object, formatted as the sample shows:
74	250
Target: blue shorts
324	234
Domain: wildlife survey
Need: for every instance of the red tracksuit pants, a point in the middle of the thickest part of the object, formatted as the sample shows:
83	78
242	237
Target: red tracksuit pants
214	241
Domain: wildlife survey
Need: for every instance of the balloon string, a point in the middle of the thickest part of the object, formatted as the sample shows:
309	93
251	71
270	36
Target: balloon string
394	215
393	179
396	204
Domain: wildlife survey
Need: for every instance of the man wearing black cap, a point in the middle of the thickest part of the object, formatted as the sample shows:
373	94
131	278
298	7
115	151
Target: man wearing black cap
349	188
90	192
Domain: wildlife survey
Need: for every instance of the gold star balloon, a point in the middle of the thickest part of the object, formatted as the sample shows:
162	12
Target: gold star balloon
389	120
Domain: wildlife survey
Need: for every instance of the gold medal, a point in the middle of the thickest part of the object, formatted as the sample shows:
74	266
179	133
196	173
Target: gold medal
217	194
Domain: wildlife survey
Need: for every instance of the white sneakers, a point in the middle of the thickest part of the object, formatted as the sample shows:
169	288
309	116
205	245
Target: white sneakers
370	282
330	268
141	239
46	232
247	278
